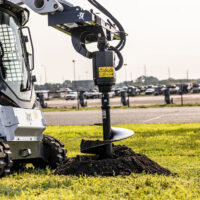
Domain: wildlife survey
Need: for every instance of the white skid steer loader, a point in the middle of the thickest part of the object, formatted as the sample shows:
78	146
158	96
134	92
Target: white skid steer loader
21	122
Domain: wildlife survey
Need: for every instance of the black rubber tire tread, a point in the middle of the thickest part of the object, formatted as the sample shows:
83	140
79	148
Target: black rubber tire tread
55	153
18	167
6	162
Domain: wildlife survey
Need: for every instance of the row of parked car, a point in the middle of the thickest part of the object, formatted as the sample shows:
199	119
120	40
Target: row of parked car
159	89
144	90
94	94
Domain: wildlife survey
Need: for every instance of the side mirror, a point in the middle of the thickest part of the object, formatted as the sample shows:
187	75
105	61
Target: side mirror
27	45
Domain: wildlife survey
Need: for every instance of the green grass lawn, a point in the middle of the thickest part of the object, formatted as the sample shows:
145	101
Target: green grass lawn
174	146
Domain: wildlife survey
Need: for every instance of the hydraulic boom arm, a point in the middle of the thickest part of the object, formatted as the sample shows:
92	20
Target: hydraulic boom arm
65	17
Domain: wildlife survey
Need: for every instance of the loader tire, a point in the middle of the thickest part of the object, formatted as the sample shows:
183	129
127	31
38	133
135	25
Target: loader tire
6	162
54	153
18	167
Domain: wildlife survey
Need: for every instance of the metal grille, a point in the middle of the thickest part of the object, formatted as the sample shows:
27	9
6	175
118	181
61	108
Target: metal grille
11	60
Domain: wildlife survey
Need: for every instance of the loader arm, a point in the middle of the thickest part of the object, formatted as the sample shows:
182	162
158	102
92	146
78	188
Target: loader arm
63	16
82	25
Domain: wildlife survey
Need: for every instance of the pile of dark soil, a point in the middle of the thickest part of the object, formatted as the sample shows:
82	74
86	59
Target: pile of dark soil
124	162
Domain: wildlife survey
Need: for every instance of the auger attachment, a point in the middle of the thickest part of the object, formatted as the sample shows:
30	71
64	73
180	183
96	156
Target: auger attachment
110	134
104	67
104	77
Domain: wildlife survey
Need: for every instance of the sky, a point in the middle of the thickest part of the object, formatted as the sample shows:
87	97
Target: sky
163	35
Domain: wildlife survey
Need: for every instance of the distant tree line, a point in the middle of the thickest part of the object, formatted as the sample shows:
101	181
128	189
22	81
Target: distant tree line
151	80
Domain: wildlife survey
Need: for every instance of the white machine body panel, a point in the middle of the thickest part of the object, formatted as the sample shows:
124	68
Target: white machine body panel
17	124
43	6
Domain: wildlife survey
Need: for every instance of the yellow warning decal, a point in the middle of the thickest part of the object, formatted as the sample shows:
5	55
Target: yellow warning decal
106	72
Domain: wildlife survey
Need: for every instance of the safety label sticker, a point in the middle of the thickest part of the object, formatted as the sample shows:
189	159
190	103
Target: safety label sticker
106	72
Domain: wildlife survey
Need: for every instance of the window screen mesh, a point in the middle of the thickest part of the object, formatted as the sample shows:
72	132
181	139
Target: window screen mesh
11	60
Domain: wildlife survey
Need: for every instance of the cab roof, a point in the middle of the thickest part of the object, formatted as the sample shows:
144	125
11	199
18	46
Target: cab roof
21	13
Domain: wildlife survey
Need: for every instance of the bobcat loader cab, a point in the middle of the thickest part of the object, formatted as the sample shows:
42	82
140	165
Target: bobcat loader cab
21	122
16	63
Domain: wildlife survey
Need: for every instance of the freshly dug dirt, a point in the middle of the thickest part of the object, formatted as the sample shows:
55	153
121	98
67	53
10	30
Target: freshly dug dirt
124	162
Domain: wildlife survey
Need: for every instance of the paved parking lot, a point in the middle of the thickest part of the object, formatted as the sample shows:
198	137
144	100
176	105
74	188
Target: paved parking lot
126	116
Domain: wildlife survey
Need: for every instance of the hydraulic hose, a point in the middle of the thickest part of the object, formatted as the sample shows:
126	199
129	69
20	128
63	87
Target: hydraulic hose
121	44
2	50
122	33
120	57
3	69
